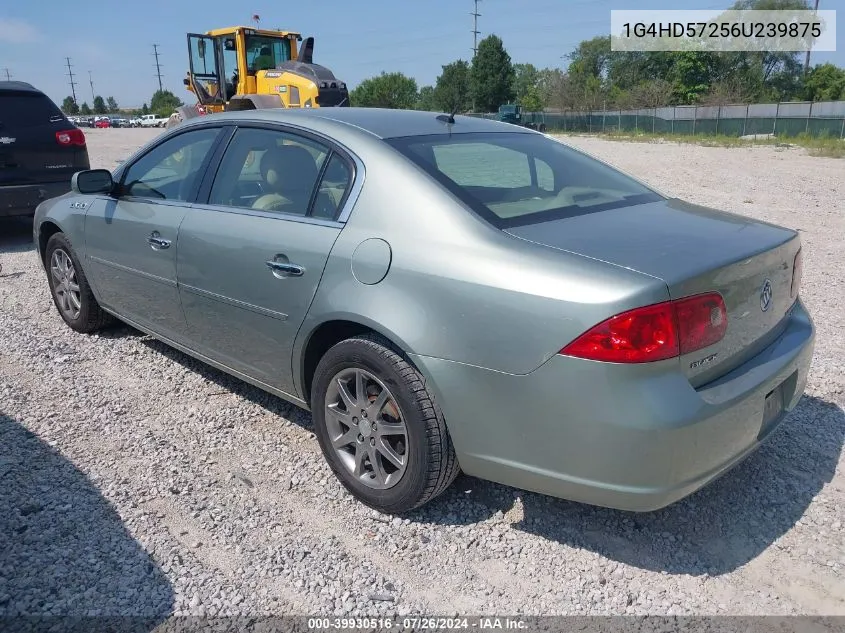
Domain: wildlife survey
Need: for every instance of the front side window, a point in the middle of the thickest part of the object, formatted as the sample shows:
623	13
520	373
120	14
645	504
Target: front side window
269	170
170	170
512	179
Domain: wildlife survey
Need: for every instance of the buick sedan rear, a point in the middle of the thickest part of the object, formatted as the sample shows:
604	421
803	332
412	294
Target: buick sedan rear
447	294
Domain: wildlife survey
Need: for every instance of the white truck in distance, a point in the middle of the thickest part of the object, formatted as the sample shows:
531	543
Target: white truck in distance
151	120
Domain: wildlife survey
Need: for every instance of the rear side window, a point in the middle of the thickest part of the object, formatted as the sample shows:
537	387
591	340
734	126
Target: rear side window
27	109
513	179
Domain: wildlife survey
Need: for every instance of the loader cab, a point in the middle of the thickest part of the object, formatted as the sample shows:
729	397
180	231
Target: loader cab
224	62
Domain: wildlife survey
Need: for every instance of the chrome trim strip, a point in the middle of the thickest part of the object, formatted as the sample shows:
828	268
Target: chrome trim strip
167	282
234	302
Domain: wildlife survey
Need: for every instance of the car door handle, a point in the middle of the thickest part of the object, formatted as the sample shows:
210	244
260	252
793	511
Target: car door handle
285	269
156	240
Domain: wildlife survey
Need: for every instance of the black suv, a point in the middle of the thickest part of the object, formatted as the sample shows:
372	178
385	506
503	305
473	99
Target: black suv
40	149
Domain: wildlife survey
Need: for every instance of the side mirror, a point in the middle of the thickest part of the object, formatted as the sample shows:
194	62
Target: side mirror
92	181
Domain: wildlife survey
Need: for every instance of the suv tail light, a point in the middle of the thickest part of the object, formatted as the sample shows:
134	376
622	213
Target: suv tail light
797	273
655	332
71	137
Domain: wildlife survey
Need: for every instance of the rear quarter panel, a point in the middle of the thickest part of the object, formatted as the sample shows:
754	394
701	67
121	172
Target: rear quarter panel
458	289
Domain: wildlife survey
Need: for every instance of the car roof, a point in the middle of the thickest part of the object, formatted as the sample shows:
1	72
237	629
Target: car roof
381	122
18	86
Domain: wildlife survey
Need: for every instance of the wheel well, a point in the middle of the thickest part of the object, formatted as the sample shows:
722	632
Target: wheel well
45	232
324	337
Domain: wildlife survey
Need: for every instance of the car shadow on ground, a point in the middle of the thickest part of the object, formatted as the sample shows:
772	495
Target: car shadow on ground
228	383
63	549
15	236
714	531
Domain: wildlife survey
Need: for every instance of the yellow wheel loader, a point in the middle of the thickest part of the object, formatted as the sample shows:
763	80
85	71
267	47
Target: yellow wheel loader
243	68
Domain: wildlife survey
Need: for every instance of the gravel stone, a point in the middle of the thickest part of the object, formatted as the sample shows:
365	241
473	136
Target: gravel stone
117	454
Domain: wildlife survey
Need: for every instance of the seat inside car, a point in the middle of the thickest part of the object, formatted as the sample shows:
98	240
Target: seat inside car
288	175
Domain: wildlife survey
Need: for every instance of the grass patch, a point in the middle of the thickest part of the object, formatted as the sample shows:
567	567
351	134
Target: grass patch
825	146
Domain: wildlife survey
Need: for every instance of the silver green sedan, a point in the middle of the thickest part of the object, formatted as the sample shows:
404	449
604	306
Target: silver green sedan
443	294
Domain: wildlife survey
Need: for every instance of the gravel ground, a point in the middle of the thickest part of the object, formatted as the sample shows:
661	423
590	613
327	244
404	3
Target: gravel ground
138	481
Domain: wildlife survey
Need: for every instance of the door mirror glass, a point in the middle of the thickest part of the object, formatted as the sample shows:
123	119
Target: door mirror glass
92	181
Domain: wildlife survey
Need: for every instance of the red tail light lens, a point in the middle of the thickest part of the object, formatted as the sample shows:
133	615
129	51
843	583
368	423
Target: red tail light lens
71	137
702	321
638	336
797	273
655	332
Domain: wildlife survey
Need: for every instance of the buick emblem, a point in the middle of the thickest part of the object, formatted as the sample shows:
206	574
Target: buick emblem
766	295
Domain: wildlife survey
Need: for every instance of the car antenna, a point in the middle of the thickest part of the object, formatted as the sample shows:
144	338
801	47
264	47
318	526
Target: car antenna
449	118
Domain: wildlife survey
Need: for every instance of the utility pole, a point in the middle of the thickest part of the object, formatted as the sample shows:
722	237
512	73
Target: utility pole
8	74
807	60
72	82
91	81
158	67
475	15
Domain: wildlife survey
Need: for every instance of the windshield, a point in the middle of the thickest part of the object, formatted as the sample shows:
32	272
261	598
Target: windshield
513	179
265	53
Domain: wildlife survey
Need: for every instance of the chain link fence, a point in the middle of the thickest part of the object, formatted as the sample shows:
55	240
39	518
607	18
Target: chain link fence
818	119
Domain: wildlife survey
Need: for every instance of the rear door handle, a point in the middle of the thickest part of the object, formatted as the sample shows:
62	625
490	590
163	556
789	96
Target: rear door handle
285	269
156	241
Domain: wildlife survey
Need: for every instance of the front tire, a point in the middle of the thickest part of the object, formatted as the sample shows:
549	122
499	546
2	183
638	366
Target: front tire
69	288
380	429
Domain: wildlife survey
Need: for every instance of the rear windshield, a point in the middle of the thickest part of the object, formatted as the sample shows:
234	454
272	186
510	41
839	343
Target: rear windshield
27	109
514	179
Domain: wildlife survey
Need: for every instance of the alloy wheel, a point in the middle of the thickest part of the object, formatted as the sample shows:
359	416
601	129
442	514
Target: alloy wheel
366	428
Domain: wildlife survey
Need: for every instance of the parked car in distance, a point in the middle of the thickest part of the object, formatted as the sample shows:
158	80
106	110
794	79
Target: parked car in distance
102	122
119	121
447	293
152	120
40	149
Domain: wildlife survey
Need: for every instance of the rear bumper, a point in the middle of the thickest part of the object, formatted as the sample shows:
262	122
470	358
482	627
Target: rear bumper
22	199
628	437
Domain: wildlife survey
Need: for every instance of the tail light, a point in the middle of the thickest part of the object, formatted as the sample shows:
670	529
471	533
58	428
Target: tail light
655	332
71	137
797	273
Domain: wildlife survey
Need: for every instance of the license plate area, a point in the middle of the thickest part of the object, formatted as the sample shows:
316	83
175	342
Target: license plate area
772	411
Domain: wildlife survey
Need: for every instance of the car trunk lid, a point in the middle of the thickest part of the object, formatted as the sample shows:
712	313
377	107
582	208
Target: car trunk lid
694	250
29	151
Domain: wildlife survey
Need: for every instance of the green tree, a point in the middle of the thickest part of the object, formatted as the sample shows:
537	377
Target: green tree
591	57
111	104
492	75
825	82
531	101
163	103
452	90
145	109
99	105
85	109
388	90
526	79
69	106
425	99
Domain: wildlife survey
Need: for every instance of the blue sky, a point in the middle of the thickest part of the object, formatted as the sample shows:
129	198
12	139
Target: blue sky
356	39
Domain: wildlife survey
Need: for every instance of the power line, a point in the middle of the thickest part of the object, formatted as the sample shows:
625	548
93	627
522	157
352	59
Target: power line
158	67
475	15
72	82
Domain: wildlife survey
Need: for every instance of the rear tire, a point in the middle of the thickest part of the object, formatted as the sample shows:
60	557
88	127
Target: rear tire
403	432
69	288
